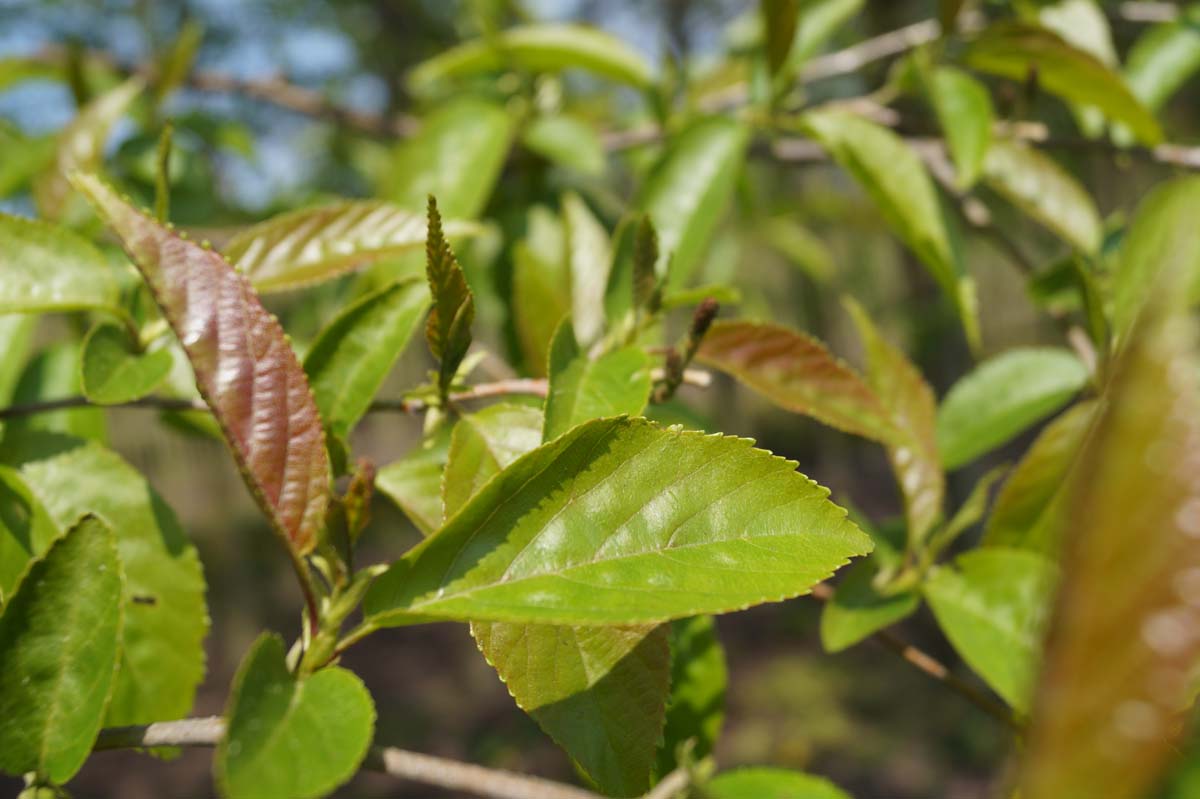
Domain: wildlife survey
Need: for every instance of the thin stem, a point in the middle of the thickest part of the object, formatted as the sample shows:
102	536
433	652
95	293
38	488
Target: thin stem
932	667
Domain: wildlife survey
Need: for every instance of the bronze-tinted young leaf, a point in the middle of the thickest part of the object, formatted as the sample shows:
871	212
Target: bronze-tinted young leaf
1123	648
448	328
244	366
913	411
796	372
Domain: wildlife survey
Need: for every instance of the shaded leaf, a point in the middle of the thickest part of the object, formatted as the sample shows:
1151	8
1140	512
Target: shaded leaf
992	605
59	636
581	389
1035	183
1019	516
353	354
547	47
113	370
771	783
696	707
26	529
482	444
800	246
448	328
796	372
1117	674
49	268
162	652
257	391
326	718
414	482
81	147
1002	397
965	114
589	256
779	19
896	180
633	525
568	141
1013	50
52	374
310	245
858	609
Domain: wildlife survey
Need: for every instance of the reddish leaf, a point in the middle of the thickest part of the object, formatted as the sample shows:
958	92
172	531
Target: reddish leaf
448	328
796	372
244	366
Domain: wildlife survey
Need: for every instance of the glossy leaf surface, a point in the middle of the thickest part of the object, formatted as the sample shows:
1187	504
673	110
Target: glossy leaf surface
291	737
49	268
244	366
59	637
621	522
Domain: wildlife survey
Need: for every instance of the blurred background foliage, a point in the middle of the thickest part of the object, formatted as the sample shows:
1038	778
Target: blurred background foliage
282	105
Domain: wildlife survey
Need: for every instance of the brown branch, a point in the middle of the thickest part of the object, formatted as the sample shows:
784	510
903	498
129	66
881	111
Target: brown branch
441	772
932	667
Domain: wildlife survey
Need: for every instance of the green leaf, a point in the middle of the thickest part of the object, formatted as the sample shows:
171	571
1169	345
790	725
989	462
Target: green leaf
858	610
50	268
1002	397
1163	58
1019	516
965	114
482	444
1013	50
621	522
779	19
819	21
257	391
311	245
16	331
589	256
353	354
536	48
800	246
770	783
688	189
113	370
1035	183
797	373
913	412
992	605
696	707
37	153
1116	682
162	654
59	636
414	482
617	382
896	180
541	288
566	140
448	328
53	374
1162	239
291	737
81	147
26	529
599	692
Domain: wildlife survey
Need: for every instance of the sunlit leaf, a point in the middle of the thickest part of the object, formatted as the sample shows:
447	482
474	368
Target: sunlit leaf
59	636
1036	184
26	529
696	707
113	369
819	21
162	654
288	736
37	153
1163	58
482	444
256	390
1002	397
448	328
1117	675
992	605
310	245
589	256
352	355
541	288
796	372
582	388
1019	518
538	48
634	524
49	268
414	482
896	180
965	114
771	783
1014	50
81	147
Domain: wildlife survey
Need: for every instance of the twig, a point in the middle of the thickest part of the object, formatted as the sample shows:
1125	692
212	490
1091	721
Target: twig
671	785
934	668
441	772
